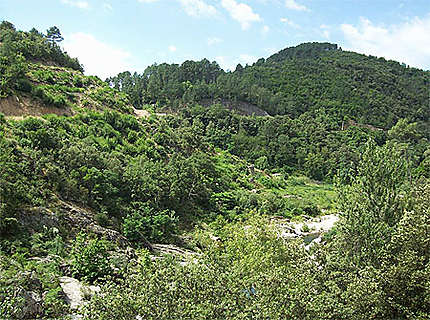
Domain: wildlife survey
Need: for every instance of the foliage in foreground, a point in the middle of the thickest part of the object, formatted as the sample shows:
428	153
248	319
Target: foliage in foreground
377	271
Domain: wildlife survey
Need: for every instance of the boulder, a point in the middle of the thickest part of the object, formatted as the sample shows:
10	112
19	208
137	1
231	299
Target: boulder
74	217
75	292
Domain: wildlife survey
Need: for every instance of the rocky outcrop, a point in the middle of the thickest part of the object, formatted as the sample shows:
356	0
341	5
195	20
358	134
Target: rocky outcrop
70	215
75	292
183	255
31	304
18	107
241	107
310	230
80	218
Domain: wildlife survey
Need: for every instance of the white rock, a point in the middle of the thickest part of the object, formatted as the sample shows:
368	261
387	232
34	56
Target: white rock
75	291
317	227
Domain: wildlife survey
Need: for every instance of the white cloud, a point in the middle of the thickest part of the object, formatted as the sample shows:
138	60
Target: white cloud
241	12
198	8
98	58
222	61
230	64
290	23
325	30
77	4
214	40
271	50
107	6
247	59
194	8
407	42
293	5
172	49
326	34
265	29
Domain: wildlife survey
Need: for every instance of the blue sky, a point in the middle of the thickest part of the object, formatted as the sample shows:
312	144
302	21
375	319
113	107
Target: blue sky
112	36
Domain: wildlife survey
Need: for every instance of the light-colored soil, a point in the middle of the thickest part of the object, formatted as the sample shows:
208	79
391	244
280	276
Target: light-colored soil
141	113
17	107
146	114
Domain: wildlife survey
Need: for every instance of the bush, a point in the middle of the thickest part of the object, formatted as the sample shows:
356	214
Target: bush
24	85
250	274
90	257
12	70
148	224
406	265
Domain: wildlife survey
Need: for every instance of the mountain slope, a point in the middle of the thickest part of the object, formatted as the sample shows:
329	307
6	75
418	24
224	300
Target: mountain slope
305	78
37	77
367	89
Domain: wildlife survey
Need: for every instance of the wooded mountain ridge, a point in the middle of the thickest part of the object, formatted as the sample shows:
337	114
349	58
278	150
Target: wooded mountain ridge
308	77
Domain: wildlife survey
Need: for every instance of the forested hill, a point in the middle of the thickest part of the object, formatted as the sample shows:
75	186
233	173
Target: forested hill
37	77
308	77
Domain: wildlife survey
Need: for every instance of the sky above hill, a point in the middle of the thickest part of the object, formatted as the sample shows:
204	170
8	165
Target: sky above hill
113	36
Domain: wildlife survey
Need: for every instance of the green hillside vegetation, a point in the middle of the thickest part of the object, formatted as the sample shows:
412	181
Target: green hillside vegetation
91	191
309	77
35	69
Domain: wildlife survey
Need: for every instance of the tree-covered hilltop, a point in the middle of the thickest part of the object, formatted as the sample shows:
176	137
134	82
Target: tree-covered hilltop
308	77
302	51
38	77
36	46
205	213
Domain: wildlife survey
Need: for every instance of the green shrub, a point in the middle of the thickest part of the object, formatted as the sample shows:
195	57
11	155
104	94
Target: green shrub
90	257
305	228
54	304
49	241
24	85
311	209
262	163
53	95
102	218
373	204
77	81
12	69
250	274
20	275
146	223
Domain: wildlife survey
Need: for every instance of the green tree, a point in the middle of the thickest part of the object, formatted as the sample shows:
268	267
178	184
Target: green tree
373	204
53	35
12	70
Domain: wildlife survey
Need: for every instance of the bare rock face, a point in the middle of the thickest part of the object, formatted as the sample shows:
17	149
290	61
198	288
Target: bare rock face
75	217
76	292
80	219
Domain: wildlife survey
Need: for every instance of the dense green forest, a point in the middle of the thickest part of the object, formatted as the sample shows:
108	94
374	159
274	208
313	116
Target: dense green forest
309	77
94	191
